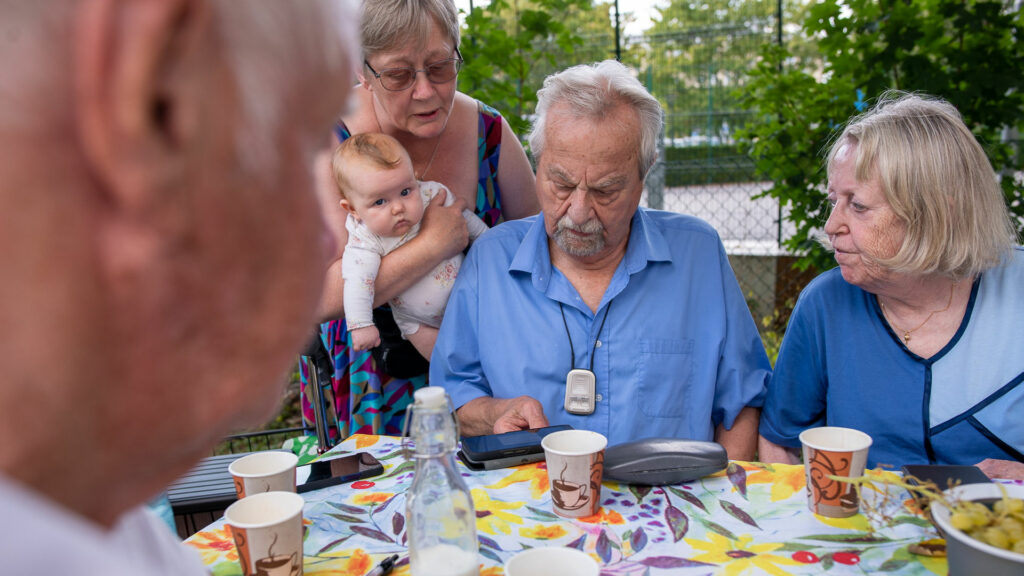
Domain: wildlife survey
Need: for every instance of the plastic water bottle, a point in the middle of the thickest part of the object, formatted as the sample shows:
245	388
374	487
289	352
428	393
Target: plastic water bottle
438	506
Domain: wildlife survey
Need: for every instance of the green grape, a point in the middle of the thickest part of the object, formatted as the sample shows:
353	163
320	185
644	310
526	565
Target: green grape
996	537
961	521
1001	526
980	519
1009	506
1014	528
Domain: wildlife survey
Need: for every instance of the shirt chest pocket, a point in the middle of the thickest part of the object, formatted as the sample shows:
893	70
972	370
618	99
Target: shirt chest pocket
665	371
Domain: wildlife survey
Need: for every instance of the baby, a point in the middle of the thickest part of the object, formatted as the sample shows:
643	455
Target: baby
385	203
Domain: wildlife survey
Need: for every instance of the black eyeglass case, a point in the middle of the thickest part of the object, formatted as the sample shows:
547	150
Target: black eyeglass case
662	461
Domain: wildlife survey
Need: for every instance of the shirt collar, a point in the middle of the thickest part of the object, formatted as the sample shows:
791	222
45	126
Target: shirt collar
646	244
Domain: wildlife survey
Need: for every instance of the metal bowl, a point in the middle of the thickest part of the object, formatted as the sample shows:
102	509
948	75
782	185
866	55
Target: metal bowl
966	555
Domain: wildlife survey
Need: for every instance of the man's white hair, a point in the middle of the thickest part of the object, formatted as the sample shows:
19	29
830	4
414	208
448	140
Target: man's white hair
589	92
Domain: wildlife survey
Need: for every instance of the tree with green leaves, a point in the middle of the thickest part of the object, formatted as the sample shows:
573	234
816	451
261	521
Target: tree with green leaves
700	51
966	51
510	46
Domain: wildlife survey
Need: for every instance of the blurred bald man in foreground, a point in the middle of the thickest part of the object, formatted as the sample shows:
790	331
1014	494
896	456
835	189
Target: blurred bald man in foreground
161	251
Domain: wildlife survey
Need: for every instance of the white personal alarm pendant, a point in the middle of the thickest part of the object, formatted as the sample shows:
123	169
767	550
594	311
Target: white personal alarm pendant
580	392
581	384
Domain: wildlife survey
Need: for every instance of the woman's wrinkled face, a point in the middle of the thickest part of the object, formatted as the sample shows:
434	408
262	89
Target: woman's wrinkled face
861	226
423	108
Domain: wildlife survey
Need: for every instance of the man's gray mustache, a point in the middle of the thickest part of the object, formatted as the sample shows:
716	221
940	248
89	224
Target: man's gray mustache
588	227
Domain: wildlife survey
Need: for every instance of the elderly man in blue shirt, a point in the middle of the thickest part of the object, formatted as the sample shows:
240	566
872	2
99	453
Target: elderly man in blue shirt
635	313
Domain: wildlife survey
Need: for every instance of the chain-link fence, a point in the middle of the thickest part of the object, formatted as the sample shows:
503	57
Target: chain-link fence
695	63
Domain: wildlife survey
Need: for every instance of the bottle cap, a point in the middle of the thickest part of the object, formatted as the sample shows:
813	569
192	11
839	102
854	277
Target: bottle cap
431	397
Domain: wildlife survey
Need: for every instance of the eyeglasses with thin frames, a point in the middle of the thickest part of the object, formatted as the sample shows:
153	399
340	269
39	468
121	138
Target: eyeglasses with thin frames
398	79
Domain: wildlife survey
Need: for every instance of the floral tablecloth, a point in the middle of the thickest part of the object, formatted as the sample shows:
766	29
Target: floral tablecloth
749	519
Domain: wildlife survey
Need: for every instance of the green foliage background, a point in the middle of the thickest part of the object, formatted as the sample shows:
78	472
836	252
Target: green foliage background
968	52
511	46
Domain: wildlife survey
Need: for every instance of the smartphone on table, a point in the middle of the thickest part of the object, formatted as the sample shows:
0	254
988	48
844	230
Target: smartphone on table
504	450
943	476
336	470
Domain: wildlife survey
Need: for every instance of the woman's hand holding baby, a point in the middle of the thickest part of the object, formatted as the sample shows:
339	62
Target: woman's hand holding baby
444	227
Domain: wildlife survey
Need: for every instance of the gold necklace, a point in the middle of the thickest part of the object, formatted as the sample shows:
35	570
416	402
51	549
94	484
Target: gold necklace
432	155
437	143
907	333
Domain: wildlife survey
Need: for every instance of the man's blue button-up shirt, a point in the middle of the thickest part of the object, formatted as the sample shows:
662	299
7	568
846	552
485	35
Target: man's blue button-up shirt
677	355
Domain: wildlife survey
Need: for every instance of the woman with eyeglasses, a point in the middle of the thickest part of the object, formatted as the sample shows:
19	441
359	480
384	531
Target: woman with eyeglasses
407	89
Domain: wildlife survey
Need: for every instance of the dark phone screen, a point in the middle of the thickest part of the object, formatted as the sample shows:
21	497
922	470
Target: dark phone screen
492	446
945	476
340	470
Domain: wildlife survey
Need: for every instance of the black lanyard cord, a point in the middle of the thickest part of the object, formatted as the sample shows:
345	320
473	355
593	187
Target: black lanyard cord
572	351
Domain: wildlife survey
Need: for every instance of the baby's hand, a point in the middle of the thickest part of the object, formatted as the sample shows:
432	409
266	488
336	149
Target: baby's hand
365	338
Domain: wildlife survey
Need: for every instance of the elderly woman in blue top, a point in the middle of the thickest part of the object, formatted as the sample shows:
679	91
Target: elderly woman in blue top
916	338
640	303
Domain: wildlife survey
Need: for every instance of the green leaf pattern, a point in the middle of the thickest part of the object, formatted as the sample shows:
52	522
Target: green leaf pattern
639	530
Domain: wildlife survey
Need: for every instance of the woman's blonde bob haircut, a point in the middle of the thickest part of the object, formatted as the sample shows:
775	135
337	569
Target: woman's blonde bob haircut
393	24
938	182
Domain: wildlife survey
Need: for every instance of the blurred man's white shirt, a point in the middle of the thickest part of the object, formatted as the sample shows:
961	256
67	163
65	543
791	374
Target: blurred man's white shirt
42	538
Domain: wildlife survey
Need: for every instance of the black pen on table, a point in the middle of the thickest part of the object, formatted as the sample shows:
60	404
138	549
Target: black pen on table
384	567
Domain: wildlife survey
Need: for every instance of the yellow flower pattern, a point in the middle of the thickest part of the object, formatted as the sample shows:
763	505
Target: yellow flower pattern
535	474
543	532
493	516
741	555
751	520
370	498
785	480
214	545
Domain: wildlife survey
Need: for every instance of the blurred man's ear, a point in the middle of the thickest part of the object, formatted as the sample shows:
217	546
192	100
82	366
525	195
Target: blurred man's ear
142	69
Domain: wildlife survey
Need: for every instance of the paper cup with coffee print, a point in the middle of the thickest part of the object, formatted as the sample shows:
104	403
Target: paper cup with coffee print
575	462
831	451
273	470
267	529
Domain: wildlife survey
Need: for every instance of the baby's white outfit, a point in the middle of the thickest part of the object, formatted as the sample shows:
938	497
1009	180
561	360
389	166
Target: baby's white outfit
424	301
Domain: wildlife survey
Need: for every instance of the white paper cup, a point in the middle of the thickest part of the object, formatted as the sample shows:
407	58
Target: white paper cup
551	561
273	470
575	462
833	451
267	529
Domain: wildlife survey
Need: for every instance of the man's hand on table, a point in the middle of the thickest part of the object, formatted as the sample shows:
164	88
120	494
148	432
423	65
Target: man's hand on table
484	415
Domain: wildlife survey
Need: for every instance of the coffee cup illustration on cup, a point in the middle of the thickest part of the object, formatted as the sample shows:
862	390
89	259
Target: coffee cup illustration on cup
279	565
270	565
569	495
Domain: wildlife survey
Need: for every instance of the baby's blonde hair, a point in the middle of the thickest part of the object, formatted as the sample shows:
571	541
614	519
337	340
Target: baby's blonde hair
378	150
